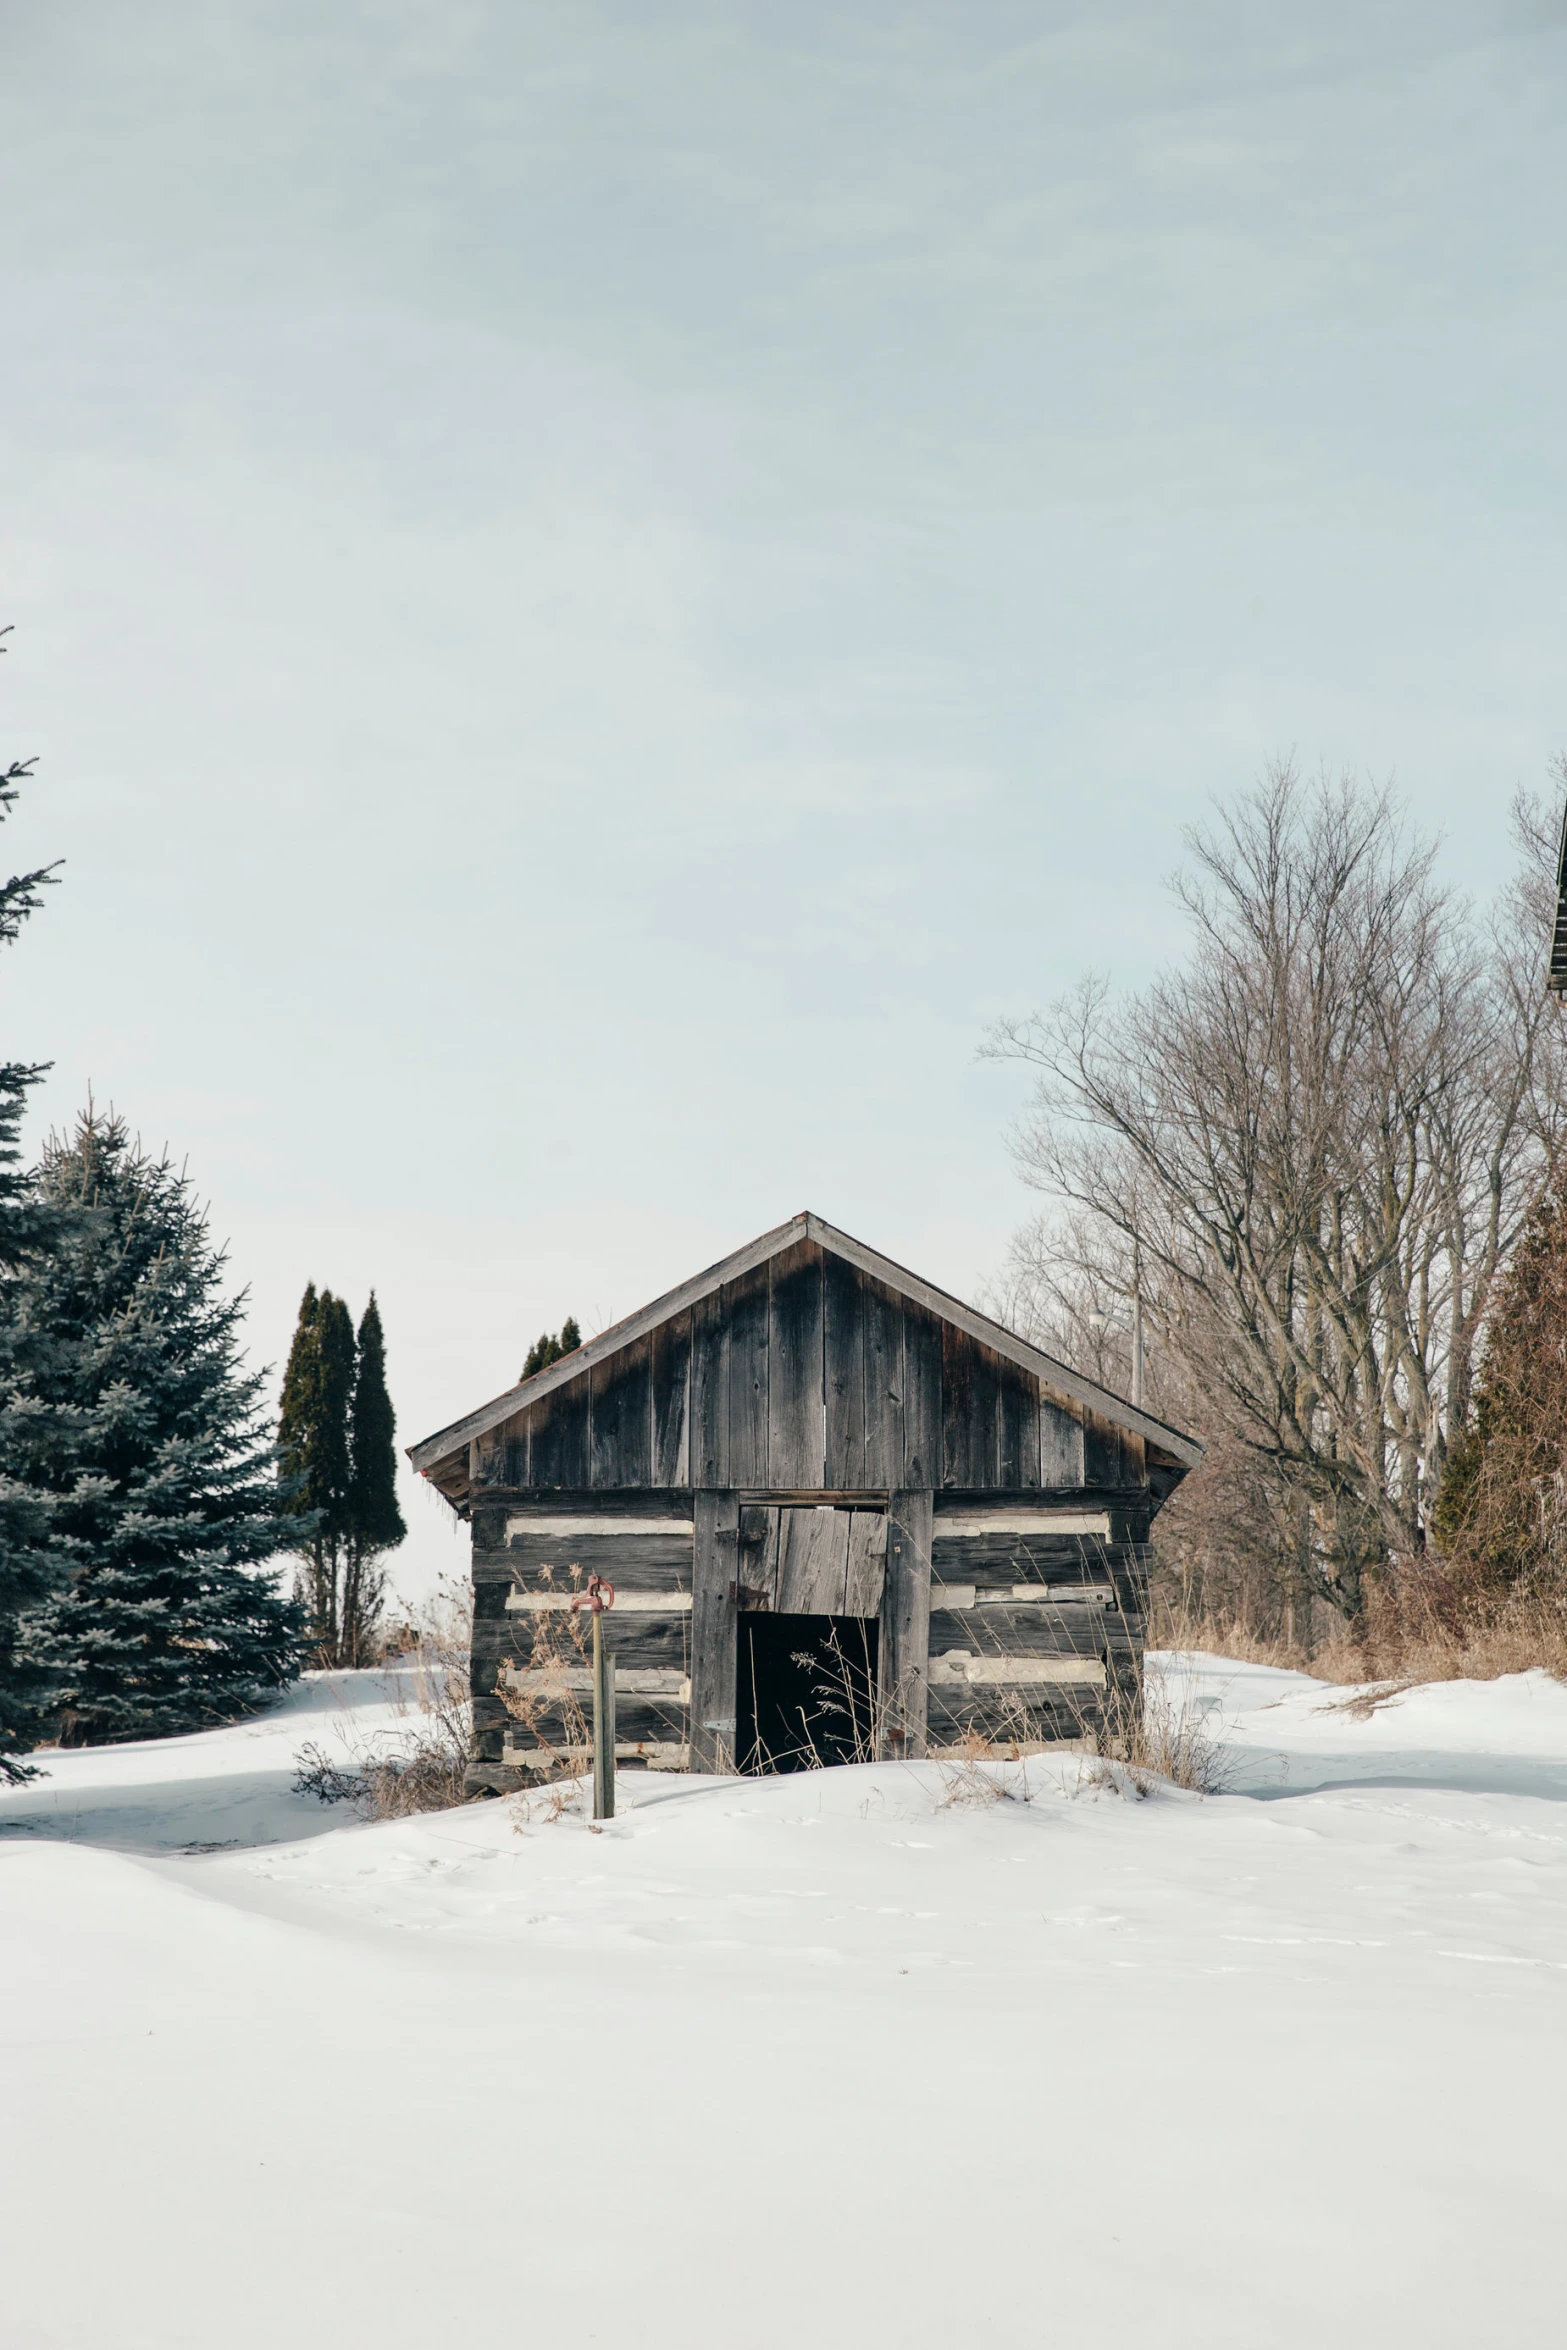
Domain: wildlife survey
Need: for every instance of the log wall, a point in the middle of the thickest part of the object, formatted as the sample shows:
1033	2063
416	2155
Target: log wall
1005	1622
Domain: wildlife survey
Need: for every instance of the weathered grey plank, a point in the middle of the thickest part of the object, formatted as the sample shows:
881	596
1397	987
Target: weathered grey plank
662	1640
542	1443
958	1355
581	1501
757	1582
813	1558
633	1561
1103	1460
1018	1427
843	1352
794	1368
985	1406
746	1304
1060	1445
560	1437
905	1621
922	1400
1018	1557
709	1443
882	1350
865	1569
670	1359
574	1404
504	1451
959	1717
714	1631
1021	1678
1004	1631
487	1463
621	1424
637	1717
488	1523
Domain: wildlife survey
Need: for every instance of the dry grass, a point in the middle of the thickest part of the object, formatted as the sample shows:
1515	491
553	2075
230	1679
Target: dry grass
542	1806
1129	1745
1420	1642
420	1768
1409	1641
1172	1735
537	1687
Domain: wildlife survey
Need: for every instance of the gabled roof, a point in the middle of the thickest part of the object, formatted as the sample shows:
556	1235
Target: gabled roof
1005	1342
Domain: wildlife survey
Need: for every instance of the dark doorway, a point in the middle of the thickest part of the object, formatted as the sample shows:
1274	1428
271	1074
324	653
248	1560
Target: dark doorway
807	1691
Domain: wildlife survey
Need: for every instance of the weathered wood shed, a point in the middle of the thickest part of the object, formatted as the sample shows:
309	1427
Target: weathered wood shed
843	1513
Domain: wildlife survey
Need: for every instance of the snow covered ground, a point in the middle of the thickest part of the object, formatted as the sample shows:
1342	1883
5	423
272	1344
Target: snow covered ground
838	2059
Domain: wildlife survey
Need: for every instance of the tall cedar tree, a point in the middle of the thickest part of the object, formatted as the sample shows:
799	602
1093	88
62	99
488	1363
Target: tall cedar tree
151	1436
335	1431
28	1227
375	1521
318	1388
1501	1516
546	1350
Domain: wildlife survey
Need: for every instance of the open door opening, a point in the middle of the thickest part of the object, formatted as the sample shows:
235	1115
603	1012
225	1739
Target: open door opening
807	1691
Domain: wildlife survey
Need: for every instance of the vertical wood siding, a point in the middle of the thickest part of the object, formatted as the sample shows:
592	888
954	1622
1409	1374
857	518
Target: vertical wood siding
807	1375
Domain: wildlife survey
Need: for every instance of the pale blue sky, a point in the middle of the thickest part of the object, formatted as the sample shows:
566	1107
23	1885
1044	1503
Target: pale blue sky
599	589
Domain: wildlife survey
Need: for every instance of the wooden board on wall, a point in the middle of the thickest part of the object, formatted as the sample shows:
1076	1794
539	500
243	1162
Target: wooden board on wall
621	1439
811	1562
670	1371
709	1444
813	1552
962	1459
746	1301
714	1630
844	1381
905	1622
1060	1443
558	1437
1018	1427
922	1400
1103	1460
794	1369
882	1361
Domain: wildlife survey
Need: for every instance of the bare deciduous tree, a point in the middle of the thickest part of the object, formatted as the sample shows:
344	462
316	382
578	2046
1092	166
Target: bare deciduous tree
1320	1135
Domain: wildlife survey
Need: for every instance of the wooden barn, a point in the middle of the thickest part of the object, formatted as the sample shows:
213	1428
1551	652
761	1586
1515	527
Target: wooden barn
843	1514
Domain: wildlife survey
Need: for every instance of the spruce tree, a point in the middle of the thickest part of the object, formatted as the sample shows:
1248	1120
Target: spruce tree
149	1434
375	1521
29	1226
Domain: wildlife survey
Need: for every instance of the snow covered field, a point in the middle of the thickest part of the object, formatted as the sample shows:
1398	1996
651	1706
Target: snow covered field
835	2059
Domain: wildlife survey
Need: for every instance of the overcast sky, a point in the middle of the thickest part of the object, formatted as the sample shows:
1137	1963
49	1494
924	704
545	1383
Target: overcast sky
599	589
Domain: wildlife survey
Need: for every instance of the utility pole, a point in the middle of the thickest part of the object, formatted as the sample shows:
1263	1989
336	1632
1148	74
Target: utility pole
1137	1322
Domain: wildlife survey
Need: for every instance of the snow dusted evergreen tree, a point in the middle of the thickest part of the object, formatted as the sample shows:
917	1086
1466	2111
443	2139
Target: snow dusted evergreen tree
150	1436
28	1226
335	1430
